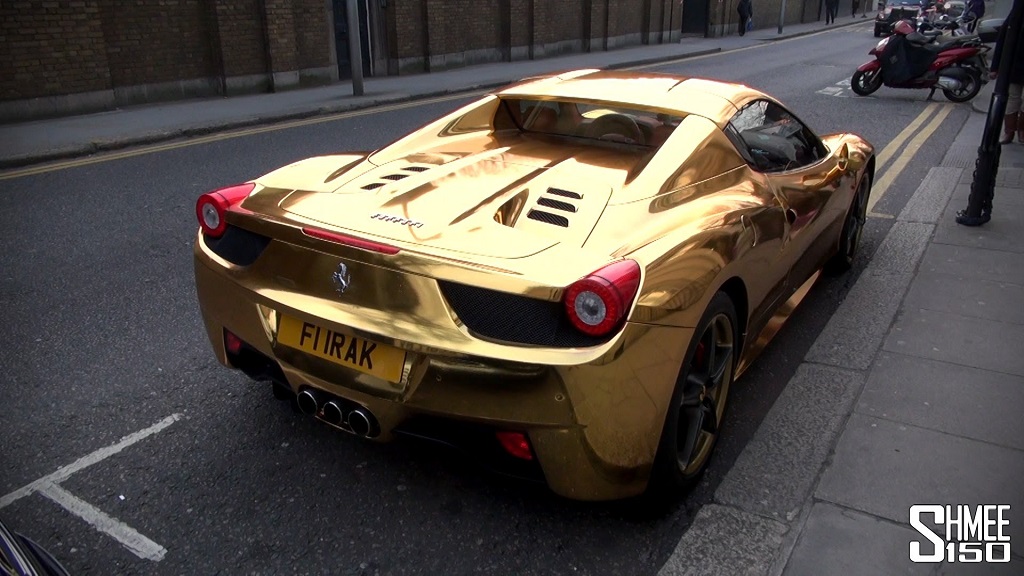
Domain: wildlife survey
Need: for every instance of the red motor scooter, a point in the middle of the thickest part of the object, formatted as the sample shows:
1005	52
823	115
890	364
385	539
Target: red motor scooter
955	65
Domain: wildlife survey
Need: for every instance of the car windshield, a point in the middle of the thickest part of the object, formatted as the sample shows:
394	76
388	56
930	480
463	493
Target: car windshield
591	120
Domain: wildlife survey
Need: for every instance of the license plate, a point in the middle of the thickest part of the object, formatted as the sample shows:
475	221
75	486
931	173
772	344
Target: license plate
360	354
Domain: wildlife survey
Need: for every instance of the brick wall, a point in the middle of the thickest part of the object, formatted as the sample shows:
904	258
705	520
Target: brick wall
243	48
427	35
557	21
624	17
280	24
126	51
408	31
520	17
311	28
150	42
51	47
463	25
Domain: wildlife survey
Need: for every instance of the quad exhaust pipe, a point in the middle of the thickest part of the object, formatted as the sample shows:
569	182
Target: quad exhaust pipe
338	412
309	401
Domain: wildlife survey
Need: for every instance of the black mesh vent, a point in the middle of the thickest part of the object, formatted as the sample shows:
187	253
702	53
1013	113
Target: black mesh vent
556	204
564	193
396	176
548	217
237	245
373	186
513	318
416	168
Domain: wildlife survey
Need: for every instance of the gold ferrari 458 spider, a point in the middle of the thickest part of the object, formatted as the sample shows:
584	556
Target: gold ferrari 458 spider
561	278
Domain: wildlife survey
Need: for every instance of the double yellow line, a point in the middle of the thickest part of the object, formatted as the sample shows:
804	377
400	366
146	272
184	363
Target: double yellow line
106	157
893	159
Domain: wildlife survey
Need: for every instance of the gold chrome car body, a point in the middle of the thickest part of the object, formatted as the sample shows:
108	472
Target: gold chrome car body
483	227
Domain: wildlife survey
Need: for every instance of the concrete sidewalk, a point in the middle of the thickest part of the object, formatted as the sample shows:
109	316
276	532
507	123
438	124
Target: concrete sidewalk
28	143
912	394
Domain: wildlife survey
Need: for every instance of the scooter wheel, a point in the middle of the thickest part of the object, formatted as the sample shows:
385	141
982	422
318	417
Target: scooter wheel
864	83
968	90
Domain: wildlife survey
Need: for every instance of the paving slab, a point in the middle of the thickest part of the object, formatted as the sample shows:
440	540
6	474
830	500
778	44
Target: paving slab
836	540
969	402
973	262
1003	232
964	340
882	467
728	542
777	470
967	296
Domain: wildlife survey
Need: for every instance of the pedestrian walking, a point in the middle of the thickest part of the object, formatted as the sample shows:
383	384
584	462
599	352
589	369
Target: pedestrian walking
856	6
831	10
1013	121
973	12
746	12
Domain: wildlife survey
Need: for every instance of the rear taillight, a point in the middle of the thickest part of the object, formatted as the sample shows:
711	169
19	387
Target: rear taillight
598	303
516	444
210	207
232	343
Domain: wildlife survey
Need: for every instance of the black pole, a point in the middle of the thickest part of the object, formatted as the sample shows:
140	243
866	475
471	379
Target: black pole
983	186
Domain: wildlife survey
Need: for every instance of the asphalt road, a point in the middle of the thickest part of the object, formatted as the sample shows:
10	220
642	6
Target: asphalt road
102	339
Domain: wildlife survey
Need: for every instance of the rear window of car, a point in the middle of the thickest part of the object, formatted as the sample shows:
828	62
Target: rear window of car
595	121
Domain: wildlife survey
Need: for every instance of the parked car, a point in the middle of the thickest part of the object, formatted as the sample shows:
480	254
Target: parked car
892	13
562	278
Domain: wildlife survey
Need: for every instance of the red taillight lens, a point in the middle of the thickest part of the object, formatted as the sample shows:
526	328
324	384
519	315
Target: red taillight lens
597	303
210	207
232	343
516	444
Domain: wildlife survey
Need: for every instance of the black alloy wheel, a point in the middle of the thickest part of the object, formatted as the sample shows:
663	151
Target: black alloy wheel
853	228
696	412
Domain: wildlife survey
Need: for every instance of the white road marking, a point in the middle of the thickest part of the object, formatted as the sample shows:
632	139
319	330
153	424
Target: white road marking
48	486
86	461
128	537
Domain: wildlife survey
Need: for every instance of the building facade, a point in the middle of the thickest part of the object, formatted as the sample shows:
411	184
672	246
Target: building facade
73	56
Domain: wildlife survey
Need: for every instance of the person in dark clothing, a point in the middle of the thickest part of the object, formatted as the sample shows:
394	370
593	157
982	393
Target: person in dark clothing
1013	122
831	10
856	6
746	11
973	12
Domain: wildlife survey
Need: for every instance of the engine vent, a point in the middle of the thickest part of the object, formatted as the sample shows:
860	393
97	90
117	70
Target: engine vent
373	186
565	193
416	168
396	176
548	218
556	204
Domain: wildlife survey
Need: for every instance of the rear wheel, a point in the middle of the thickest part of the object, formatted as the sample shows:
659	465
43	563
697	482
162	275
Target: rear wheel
969	88
698	403
853	227
864	83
